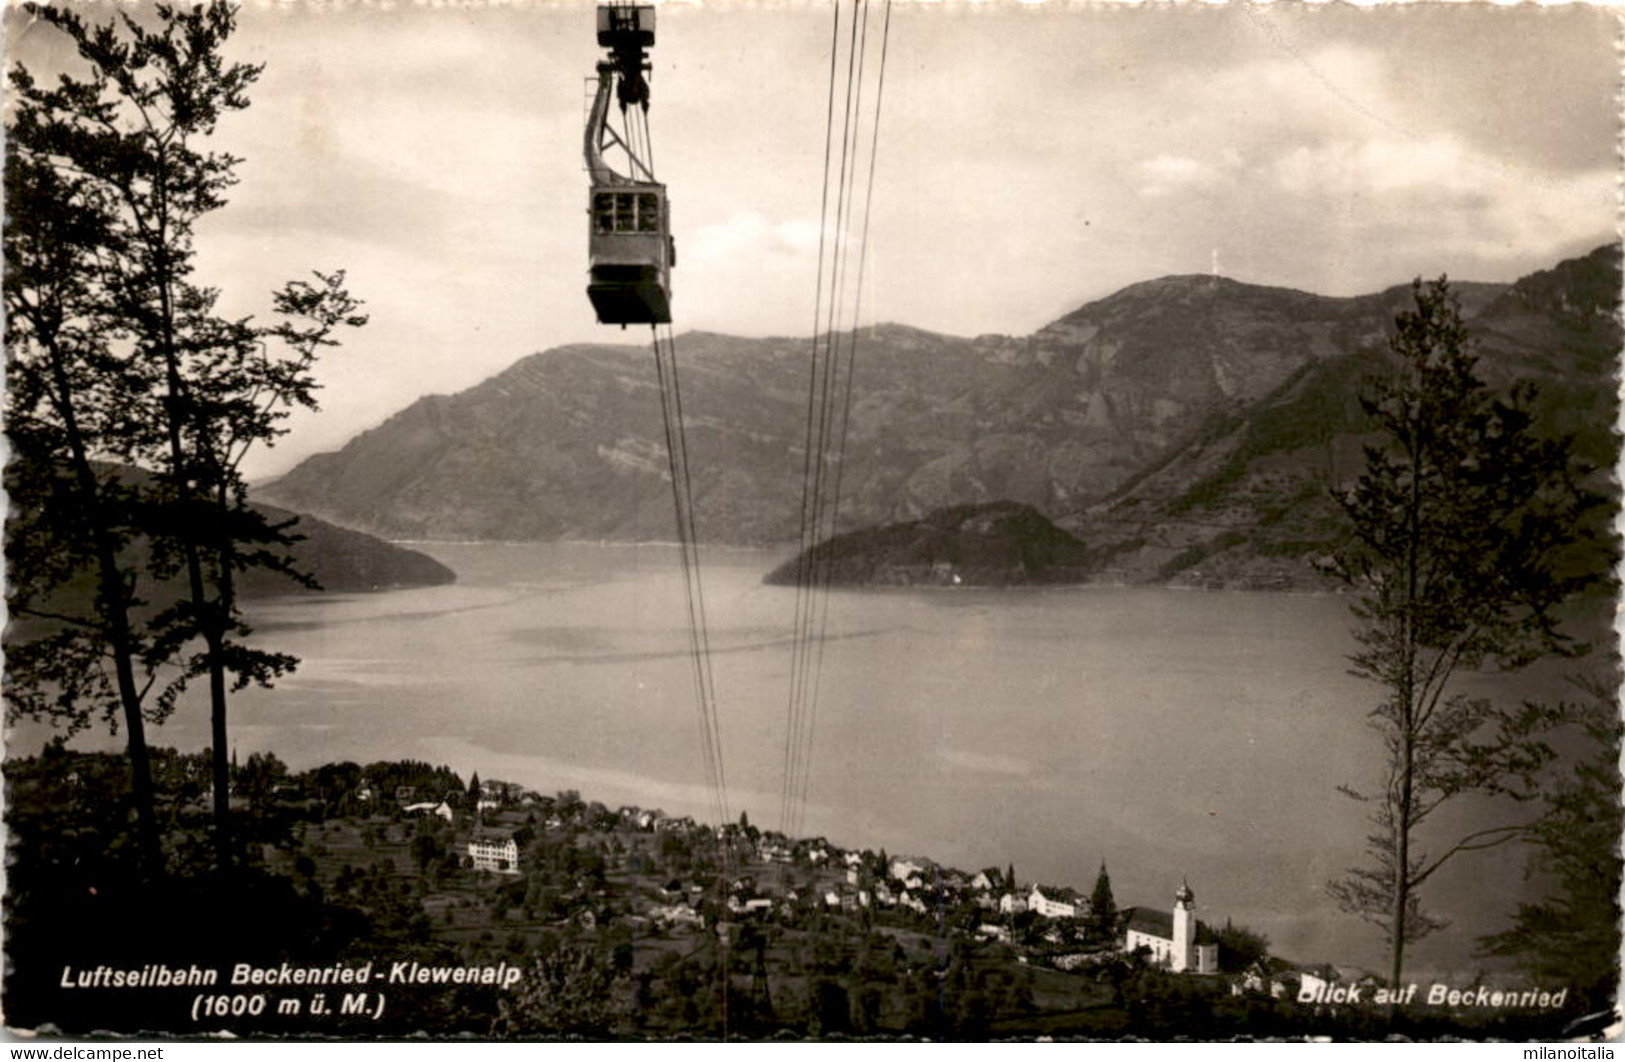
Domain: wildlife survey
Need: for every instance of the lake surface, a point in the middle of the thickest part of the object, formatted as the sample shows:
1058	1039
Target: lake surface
1174	735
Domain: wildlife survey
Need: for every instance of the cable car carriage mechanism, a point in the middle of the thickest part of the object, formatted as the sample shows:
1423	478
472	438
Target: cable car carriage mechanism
630	250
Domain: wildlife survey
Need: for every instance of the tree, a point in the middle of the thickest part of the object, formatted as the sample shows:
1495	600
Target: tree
126	136
1240	947
1457	532
66	394
1572	936
1102	923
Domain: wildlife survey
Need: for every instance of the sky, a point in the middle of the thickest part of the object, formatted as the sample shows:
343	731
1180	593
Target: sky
1032	157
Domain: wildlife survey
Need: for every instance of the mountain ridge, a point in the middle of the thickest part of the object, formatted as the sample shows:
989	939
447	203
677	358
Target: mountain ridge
1111	414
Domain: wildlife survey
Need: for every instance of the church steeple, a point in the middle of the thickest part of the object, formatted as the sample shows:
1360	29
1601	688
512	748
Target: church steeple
1184	956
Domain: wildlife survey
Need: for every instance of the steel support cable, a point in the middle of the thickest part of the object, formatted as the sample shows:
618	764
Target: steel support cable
699	628
814	600
803	556
821	567
702	627
683	501
851	353
812	455
706	749
809	617
676	456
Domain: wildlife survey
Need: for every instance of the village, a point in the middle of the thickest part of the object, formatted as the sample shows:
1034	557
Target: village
631	922
763	878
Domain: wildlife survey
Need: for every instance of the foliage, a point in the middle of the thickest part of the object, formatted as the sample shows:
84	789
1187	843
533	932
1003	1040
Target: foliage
142	369
1572	936
1102	918
1240	947
1456	531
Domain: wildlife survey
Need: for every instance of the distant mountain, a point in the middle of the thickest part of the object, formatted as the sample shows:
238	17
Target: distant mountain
340	560
1247	502
1187	428
997	544
344	561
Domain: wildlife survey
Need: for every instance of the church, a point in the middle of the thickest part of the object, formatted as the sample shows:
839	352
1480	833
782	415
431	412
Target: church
1176	940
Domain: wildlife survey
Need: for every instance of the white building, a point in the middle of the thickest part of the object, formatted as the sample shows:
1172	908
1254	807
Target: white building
1012	903
494	852
1176	940
442	809
1054	902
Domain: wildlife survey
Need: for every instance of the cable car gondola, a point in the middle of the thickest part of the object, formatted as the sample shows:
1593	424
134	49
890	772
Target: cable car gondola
629	246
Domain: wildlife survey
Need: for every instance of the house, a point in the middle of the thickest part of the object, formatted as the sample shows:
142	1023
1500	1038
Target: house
426	807
494	851
1265	977
989	879
1055	902
1012	903
905	870
990	931
678	914
1072	960
1315	983
1176	940
912	902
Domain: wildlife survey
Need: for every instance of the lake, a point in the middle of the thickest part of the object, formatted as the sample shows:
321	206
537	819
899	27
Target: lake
1178	736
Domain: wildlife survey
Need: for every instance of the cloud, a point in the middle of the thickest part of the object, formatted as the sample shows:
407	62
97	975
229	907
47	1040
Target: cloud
984	763
749	234
1164	175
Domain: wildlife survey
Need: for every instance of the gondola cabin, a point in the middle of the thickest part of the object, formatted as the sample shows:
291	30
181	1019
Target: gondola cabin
630	251
630	254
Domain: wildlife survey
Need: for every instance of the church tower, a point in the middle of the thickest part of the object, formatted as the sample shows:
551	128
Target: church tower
1184	956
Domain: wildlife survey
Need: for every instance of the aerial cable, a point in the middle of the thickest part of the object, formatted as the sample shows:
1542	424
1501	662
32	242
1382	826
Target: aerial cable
671	397
851	366
698	627
804	557
815	600
702	628
829	397
706	749
820	391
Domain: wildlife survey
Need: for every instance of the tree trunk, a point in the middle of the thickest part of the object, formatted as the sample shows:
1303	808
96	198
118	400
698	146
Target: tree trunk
1402	867
110	592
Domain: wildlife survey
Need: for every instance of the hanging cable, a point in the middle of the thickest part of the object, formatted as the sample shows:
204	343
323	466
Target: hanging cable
671	408
809	455
830	388
844	418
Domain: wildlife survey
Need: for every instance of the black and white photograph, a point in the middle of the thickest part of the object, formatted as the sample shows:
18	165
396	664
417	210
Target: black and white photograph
809	520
